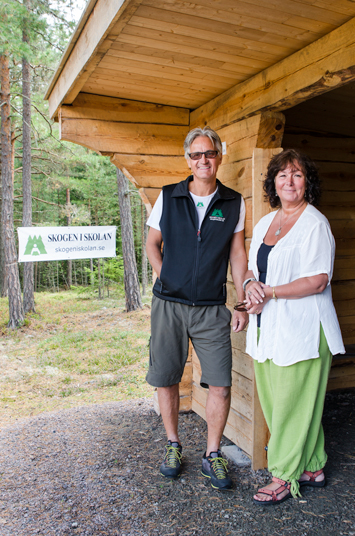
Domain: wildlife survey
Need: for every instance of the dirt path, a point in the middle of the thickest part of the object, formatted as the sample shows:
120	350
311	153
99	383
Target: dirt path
93	471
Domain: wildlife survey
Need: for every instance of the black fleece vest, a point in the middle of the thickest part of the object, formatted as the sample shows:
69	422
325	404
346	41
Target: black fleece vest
195	261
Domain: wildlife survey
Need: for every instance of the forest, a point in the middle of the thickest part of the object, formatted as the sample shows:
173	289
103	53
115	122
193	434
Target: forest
45	181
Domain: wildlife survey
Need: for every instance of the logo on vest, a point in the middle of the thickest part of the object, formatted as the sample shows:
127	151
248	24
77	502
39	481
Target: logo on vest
35	246
217	215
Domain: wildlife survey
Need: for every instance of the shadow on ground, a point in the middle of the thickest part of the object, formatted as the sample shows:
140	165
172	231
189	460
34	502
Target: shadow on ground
94	471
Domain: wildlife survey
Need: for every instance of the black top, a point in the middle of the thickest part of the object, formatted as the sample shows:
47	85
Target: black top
261	261
195	258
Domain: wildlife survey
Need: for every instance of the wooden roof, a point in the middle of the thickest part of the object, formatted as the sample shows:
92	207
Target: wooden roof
185	54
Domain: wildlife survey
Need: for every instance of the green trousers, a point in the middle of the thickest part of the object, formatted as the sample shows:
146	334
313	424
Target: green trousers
292	400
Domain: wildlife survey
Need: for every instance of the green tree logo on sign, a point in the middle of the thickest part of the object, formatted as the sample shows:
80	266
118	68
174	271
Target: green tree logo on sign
35	246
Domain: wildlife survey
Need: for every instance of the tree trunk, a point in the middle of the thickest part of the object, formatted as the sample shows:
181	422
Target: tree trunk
10	254
28	294
3	278
131	281
70	270
144	253
99	276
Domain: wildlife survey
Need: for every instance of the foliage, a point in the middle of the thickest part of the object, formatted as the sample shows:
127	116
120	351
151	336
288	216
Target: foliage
57	165
73	351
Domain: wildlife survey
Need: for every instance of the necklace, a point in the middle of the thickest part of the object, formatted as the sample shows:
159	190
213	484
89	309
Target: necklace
281	225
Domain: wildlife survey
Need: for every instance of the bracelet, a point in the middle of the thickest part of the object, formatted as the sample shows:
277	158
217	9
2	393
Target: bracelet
274	294
247	281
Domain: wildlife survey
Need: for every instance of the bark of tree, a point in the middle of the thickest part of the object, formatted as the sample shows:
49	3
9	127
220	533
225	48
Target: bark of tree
131	281
3	279
70	269
28	292
144	253
10	254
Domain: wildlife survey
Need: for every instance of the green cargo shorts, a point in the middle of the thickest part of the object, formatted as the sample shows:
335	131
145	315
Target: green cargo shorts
208	327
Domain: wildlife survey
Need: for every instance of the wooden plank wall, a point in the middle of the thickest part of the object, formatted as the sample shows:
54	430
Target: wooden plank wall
334	154
245	426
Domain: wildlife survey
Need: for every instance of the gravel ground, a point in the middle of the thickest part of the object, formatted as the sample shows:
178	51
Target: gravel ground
94	471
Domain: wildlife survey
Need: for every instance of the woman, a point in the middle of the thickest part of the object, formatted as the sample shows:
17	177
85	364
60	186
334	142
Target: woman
293	328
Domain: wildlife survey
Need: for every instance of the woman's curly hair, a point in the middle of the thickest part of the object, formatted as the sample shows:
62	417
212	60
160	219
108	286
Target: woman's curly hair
278	163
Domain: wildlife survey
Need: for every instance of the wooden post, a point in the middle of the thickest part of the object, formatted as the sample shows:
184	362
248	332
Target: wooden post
260	437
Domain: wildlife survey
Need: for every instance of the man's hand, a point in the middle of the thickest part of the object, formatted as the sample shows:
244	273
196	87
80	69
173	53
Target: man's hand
240	321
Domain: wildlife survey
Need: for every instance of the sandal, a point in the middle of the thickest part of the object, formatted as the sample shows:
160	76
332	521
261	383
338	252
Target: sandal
274	493
312	479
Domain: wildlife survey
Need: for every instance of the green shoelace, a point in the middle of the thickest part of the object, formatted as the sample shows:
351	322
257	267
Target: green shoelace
219	466
172	456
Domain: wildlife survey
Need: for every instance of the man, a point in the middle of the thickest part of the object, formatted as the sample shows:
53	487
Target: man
201	225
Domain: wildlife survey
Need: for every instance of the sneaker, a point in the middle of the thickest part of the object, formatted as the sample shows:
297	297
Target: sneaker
215	468
171	466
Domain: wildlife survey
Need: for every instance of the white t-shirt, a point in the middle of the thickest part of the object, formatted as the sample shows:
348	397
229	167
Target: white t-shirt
290	329
201	204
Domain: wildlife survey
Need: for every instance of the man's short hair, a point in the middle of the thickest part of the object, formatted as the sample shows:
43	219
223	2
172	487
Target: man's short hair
196	133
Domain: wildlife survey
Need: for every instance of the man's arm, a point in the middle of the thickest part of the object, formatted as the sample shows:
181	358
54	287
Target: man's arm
153	247
239	266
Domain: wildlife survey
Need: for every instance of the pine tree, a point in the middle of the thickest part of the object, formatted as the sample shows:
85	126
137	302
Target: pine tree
10	254
131	281
28	290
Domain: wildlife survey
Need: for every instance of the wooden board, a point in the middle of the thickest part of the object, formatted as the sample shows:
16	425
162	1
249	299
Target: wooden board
242	395
342	374
326	115
89	48
152	171
149	197
87	106
334	149
238	428
323	65
110	136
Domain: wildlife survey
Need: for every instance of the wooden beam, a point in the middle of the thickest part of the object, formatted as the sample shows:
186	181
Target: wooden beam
321	66
149	197
128	138
105	23
88	106
153	171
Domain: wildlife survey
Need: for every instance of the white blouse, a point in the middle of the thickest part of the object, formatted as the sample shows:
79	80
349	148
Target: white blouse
290	328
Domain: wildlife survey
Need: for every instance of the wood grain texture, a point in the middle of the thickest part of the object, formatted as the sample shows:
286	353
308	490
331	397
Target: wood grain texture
110	136
88	106
90	47
321	66
153	171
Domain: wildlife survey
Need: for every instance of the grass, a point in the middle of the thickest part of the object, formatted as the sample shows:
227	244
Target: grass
75	350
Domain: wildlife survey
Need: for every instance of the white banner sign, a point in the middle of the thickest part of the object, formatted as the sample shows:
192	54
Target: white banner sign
64	243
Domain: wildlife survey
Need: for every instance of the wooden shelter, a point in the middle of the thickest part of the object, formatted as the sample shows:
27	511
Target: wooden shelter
266	74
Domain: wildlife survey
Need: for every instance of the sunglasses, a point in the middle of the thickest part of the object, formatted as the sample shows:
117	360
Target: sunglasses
208	154
240	307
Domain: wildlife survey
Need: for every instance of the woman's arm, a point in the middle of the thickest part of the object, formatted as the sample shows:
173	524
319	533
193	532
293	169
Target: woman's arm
300	288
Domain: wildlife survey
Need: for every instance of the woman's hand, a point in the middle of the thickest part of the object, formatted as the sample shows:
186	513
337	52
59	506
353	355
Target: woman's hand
257	295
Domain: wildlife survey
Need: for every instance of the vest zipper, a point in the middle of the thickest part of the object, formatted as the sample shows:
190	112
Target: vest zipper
199	239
